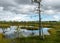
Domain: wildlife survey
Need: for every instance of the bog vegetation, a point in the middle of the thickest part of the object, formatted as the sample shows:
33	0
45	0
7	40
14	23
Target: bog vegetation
53	38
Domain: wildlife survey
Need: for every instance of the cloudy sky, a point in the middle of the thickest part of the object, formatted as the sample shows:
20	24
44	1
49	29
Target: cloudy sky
24	10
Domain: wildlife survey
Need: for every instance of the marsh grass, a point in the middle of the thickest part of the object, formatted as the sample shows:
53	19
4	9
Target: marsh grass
53	38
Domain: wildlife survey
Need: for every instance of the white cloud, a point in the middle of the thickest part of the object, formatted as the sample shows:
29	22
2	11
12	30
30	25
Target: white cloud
23	9
51	6
11	16
56	17
50	12
23	18
15	9
1	8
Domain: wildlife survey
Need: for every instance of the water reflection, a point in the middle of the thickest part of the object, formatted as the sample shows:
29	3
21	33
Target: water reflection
12	32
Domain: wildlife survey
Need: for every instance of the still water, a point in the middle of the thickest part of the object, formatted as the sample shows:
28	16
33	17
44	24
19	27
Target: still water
12	32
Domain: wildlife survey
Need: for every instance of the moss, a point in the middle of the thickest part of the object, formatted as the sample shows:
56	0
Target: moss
52	31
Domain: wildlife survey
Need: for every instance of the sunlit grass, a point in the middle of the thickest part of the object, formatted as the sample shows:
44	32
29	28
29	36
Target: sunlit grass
53	38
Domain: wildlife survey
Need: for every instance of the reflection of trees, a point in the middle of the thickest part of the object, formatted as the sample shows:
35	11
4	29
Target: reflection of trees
19	32
3	32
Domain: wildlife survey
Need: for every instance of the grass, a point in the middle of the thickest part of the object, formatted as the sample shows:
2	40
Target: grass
29	40
5	40
53	38
35	40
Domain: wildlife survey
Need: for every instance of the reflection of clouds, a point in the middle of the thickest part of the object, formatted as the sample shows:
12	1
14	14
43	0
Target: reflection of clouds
45	31
1	31
12	31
